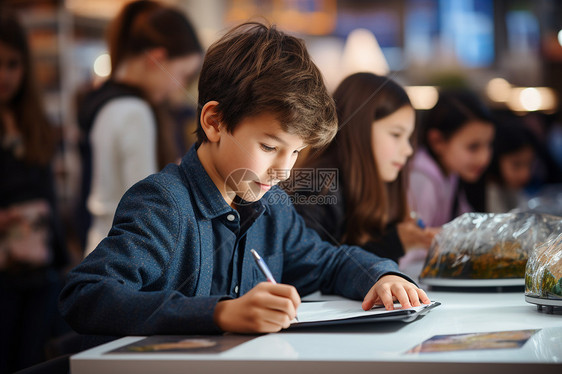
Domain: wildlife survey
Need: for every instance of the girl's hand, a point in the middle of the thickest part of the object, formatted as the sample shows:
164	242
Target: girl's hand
412	236
8	217
267	307
392	287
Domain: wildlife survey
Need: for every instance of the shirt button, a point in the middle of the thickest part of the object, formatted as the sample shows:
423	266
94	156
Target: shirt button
236	289
230	217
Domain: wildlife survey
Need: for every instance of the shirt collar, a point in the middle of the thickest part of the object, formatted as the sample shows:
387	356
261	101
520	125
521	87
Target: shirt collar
208	198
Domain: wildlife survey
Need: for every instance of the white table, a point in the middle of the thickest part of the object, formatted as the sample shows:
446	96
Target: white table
375	347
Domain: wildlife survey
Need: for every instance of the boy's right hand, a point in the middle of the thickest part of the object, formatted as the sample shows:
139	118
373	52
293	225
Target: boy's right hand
267	307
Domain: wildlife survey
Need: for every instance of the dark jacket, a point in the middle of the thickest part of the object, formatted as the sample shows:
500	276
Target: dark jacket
327	215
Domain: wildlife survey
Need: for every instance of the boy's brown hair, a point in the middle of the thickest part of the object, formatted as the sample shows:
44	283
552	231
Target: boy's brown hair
256	68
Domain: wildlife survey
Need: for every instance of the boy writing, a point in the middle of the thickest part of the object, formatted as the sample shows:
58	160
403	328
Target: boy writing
177	259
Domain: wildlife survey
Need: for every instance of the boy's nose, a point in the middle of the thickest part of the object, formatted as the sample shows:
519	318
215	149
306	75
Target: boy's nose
282	168
279	174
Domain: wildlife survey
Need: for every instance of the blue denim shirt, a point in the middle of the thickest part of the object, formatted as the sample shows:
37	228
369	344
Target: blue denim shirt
154	272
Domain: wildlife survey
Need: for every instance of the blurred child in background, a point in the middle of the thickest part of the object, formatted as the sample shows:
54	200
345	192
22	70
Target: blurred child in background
511	167
371	149
456	144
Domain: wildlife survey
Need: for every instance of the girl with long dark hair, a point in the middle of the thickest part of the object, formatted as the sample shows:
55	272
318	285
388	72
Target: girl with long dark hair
370	153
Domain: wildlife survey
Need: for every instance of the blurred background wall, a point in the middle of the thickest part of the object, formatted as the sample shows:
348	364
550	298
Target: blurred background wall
510	52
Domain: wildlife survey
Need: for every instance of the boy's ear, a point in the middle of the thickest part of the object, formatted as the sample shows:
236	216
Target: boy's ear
436	141
210	121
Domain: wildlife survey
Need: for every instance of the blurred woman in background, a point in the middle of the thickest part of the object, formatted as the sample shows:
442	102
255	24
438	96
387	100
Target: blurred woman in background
32	247
154	51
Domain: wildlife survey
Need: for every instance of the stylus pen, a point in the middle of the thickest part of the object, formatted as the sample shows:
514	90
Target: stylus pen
264	268
418	220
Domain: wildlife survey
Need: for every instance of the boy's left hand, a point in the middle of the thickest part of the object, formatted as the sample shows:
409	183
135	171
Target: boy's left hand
392	287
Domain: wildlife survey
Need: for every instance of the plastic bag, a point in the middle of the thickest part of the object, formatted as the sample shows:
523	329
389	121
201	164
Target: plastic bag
487	245
543	275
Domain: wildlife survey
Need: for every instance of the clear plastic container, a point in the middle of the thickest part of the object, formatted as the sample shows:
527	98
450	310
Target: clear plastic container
487	246
543	275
